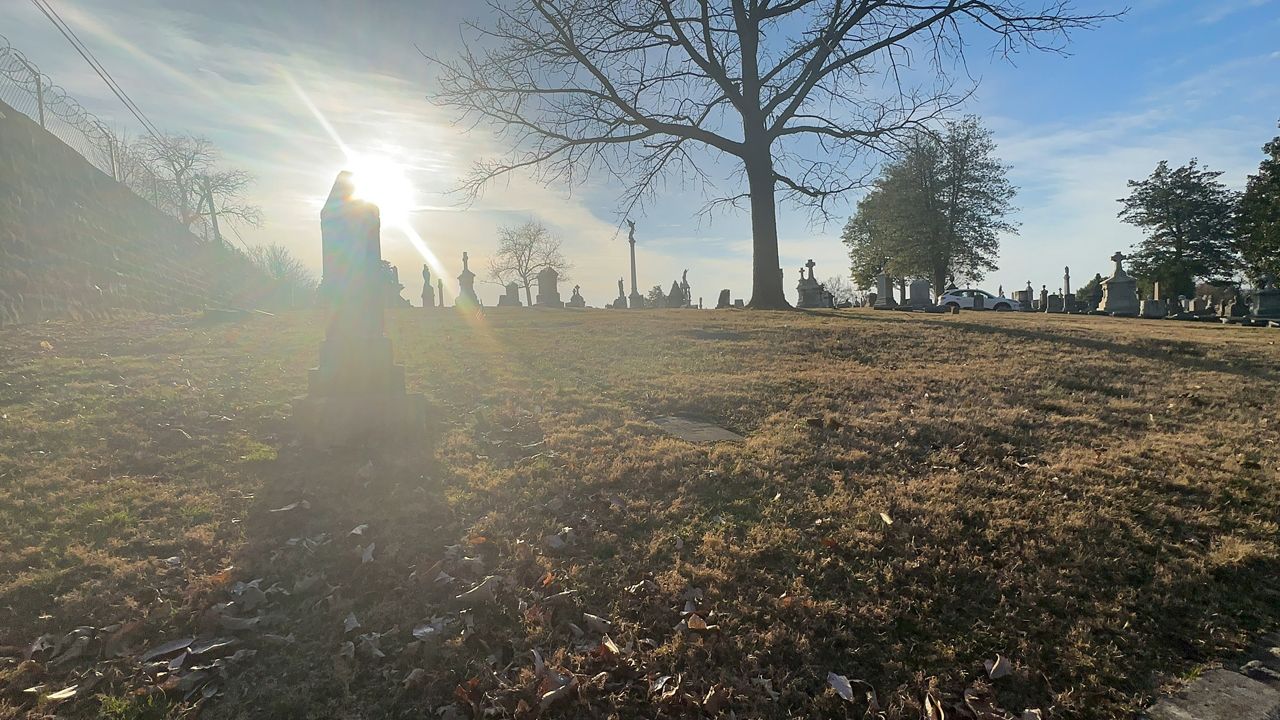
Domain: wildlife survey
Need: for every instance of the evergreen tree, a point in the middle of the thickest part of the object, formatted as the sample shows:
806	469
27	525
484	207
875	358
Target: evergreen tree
1189	218
1259	241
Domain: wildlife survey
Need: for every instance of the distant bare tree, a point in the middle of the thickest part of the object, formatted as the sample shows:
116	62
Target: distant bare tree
840	288
183	158
222	199
525	251
282	267
786	89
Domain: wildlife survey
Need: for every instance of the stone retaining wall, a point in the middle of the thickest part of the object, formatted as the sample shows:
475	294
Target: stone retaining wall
74	243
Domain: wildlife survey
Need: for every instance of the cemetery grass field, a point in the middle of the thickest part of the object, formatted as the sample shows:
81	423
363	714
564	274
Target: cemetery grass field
1095	500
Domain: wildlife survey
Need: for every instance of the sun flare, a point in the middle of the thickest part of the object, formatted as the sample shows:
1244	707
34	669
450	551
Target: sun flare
383	182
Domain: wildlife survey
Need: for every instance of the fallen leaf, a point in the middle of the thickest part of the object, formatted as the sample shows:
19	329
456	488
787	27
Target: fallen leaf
483	593
841	685
998	668
63	694
359	529
305	505
168	648
366	553
415	679
350	623
595	623
887	520
717	698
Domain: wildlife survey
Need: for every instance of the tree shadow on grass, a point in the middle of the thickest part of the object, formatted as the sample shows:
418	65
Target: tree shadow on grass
1171	351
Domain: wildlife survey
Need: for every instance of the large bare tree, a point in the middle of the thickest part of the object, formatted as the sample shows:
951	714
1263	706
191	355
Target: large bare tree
222	199
182	158
795	93
523	252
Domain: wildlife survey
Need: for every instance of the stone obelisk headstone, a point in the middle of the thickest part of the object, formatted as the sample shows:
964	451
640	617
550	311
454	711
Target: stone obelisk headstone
356	396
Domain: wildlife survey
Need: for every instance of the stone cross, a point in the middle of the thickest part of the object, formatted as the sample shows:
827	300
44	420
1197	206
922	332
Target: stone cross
464	261
811	264
1118	258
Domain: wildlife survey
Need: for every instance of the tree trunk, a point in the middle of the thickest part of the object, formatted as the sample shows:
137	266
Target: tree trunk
939	281
528	298
766	276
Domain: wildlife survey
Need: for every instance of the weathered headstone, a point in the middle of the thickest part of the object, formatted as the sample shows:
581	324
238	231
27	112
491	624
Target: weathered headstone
1152	309
576	300
428	292
739	304
440	290
466	287
1043	306
510	298
356	395
1120	291
921	295
1266	299
548	290
884	292
723	301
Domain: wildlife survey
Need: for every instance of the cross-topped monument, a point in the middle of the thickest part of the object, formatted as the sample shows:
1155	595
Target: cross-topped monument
636	300
811	265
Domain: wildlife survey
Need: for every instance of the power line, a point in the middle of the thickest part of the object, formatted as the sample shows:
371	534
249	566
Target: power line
84	52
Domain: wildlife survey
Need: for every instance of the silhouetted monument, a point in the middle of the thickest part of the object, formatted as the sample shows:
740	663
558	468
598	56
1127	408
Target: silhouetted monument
723	301
576	300
636	299
620	302
548	290
428	292
511	298
466	287
357	394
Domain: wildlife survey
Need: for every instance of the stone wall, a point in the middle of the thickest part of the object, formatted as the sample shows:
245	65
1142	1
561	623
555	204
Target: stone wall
74	243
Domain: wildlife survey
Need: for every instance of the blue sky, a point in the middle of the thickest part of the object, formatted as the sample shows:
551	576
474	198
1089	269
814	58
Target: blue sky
1173	79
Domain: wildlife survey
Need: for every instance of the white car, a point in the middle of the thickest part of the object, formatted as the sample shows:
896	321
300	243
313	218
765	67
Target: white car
964	299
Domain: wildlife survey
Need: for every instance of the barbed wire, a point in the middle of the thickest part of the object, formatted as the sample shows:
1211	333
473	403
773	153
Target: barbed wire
25	89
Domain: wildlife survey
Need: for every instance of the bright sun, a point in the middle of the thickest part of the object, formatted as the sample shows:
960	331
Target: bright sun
383	182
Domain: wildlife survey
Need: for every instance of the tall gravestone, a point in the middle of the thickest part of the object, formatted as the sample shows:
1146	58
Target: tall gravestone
635	299
884	292
466	287
1120	291
428	293
548	290
356	395
723	301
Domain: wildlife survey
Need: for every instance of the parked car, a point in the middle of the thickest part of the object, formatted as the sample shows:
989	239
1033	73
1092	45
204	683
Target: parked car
964	299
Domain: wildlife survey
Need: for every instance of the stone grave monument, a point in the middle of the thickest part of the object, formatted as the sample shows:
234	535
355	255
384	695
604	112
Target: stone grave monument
810	292
576	300
635	299
428	293
921	295
620	302
1068	297
1266	299
1120	291
884	292
548	290
510	298
356	395
723	301
466	287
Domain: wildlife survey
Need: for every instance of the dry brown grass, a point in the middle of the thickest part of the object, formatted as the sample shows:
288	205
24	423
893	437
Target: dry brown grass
1095	499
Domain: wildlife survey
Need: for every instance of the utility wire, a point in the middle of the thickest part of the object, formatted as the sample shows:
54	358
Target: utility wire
96	65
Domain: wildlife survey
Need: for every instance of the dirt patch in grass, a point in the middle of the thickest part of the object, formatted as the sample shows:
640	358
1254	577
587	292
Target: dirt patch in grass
1095	500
